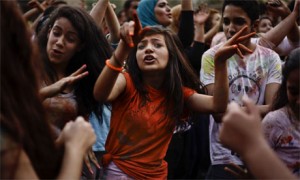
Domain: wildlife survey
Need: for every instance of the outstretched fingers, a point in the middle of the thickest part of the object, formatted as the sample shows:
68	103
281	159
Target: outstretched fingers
244	48
79	71
237	35
242	38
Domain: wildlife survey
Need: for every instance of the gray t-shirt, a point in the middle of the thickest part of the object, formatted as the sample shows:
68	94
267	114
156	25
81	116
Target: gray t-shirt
248	76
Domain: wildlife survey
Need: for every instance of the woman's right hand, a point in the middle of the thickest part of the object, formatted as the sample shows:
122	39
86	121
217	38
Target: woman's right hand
64	83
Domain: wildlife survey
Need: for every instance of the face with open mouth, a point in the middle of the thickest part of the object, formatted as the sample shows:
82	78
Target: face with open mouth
63	42
152	53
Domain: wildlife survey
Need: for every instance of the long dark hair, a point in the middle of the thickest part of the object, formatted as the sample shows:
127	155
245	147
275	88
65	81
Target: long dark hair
94	53
179	73
22	114
291	64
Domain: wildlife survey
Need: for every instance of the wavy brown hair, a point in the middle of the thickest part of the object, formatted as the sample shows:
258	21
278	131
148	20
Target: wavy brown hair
22	115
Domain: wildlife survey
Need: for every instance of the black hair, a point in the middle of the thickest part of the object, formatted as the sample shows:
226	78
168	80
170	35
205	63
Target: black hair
95	50
251	7
291	64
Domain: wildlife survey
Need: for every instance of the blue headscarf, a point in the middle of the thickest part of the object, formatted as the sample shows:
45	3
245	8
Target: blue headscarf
145	12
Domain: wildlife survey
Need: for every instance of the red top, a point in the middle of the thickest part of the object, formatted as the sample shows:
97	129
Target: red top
139	138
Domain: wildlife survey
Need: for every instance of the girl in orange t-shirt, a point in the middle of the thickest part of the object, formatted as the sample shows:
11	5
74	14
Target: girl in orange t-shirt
152	97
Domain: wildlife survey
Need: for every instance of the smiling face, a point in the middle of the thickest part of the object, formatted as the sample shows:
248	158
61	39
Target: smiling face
234	19
152	53
293	91
63	42
163	13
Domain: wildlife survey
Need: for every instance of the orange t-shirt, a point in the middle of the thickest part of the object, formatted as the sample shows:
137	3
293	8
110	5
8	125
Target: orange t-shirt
138	138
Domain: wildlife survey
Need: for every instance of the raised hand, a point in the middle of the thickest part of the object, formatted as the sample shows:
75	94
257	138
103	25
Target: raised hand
64	83
241	129
130	31
278	7
201	16
36	4
233	45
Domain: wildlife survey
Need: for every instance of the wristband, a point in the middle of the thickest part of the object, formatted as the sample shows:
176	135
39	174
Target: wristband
110	66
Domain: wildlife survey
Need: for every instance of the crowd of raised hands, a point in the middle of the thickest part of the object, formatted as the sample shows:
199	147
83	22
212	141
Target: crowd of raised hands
142	75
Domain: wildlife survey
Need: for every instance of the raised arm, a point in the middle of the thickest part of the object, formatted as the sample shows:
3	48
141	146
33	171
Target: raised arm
37	8
77	138
241	131
111	83
287	27
62	84
218	102
112	24
98	11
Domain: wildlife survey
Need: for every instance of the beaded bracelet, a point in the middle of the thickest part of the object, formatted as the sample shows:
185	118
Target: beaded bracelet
118	69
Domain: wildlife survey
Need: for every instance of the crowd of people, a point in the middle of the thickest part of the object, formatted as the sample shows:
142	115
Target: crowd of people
151	91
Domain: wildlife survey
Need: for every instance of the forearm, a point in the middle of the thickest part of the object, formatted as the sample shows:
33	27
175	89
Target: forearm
294	34
113	24
199	33
211	33
32	12
221	87
72	164
34	24
263	163
277	34
47	92
108	76
263	109
98	11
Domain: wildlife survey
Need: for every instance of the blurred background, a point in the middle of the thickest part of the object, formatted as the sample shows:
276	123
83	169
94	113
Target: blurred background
217	4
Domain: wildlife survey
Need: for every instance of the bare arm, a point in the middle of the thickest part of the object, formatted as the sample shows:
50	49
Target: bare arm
32	12
98	11
241	131
112	24
218	103
77	136
211	33
110	83
62	84
270	92
286	27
